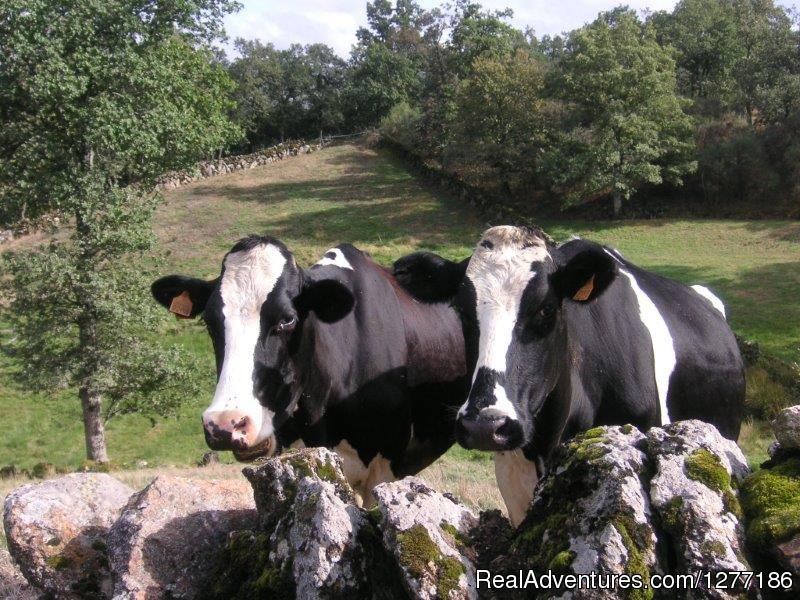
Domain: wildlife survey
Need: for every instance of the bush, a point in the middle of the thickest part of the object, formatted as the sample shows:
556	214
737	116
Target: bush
401	126
734	164
772	385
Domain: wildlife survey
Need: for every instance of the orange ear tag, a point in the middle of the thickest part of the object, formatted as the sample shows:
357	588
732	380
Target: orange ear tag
181	306
582	295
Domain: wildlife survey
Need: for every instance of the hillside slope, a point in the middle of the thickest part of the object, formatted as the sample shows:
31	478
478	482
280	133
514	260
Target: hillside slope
366	197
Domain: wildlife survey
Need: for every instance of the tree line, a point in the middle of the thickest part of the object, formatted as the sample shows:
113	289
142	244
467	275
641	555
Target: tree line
702	99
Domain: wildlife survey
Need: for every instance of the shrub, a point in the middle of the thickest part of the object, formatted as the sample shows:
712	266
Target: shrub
401	126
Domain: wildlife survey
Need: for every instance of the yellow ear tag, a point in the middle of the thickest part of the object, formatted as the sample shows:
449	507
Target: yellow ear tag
181	306
582	295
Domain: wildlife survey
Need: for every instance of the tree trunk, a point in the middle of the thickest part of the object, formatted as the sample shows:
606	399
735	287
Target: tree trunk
93	430
88	321
617	202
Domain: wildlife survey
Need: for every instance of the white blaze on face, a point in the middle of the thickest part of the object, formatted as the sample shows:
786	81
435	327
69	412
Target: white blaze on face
335	257
500	269
248	278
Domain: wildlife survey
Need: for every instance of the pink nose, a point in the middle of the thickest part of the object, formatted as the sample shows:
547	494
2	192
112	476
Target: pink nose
228	430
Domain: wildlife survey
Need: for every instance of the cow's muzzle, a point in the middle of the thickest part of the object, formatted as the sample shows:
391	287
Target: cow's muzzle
488	432
228	430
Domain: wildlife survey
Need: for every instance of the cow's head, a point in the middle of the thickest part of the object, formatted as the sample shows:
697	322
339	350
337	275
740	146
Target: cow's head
253	312
511	297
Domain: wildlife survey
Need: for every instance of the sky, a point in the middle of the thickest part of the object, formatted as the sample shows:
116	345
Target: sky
334	22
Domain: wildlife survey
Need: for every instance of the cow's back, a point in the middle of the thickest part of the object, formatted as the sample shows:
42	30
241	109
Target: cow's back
403	363
707	381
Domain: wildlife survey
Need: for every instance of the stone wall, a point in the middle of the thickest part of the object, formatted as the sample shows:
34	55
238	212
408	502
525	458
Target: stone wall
203	170
617	504
239	162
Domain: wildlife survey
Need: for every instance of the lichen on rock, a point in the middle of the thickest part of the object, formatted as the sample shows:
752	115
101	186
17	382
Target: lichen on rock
427	533
56	532
590	514
693	494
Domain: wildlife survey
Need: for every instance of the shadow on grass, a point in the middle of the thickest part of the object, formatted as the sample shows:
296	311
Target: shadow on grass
783	232
382	221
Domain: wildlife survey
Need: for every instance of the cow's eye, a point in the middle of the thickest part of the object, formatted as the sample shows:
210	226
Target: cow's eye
547	310
286	325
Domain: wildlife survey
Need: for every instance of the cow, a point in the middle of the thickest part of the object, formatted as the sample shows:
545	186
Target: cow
561	338
337	355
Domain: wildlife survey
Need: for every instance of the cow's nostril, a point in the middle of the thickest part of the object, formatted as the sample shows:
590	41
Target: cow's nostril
242	423
504	429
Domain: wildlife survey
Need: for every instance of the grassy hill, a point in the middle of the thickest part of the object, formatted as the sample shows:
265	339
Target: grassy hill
366	197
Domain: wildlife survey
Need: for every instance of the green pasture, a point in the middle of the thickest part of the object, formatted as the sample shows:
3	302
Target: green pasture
366	197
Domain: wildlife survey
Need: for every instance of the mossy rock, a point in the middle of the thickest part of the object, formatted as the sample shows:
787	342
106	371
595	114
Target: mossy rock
704	466
460	540
672	516
245	571
58	562
420	555
309	465
561	562
381	573
450	571
771	503
636	539
417	550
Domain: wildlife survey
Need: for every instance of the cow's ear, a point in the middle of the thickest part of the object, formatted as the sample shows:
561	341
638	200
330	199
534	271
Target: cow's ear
185	297
585	274
327	298
429	277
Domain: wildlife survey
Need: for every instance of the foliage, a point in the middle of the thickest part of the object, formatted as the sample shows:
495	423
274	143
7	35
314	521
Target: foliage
97	100
379	80
134	373
705	61
613	107
400	126
627	126
287	93
388	62
734	163
501	125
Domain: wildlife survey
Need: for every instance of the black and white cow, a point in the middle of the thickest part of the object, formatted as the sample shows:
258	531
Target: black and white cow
338	355
563	338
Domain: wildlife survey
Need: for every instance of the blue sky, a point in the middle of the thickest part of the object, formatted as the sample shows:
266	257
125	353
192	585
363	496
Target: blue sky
334	22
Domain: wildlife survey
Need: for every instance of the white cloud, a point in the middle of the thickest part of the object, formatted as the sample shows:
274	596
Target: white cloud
334	22
307	22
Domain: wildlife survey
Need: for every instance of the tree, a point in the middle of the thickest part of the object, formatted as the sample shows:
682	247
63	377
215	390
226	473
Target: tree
705	36
388	64
768	71
474	33
380	79
501	125
258	76
327	75
294	92
98	99
627	126
479	33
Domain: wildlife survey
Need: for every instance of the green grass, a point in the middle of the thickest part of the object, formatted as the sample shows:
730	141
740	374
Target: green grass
365	197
